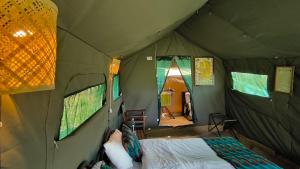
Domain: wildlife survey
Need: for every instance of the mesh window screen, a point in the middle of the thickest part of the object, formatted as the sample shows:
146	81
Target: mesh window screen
252	84
116	88
80	107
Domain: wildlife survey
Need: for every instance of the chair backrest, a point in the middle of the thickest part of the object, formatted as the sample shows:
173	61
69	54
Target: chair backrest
136	114
229	124
127	113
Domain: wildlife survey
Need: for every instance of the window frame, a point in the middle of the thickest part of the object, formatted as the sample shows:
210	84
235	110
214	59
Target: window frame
90	117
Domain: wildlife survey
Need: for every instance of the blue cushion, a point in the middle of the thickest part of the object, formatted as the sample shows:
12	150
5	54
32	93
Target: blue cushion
131	144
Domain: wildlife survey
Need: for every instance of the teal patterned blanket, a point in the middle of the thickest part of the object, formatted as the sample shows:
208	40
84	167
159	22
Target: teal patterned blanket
238	155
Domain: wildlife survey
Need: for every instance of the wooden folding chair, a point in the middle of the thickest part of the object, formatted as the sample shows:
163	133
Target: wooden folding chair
135	117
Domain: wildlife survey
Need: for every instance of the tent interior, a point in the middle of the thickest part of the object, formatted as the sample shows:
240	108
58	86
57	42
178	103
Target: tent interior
245	42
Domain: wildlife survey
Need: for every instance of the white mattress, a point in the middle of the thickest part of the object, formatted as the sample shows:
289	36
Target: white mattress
189	153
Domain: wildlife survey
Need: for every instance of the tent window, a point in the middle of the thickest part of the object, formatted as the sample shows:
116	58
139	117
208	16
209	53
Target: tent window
79	107
116	87
253	84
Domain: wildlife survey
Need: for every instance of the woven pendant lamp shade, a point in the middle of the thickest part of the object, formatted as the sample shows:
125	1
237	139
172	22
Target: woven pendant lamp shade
27	45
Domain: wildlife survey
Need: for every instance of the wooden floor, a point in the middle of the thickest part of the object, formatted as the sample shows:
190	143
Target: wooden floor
178	121
202	131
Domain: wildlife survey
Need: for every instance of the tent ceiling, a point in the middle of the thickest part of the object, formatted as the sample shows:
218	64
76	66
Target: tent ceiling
122	27
246	29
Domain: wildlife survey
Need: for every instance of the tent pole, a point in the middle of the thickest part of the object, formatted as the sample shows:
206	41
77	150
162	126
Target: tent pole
110	79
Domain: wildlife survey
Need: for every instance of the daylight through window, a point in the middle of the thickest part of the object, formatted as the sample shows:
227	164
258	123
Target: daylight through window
253	84
79	107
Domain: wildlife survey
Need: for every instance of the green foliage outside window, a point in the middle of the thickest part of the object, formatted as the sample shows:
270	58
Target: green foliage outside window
252	84
116	88
80	107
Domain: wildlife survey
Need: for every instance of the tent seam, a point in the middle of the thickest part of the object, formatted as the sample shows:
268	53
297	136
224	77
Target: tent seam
84	41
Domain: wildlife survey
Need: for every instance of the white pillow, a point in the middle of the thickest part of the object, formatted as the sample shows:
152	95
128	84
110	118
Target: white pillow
116	136
118	155
97	165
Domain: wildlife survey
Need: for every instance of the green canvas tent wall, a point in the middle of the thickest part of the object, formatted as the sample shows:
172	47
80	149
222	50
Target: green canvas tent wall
254	37
138	80
242	36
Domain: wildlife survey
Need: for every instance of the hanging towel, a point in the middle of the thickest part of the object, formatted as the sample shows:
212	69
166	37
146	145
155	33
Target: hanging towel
165	98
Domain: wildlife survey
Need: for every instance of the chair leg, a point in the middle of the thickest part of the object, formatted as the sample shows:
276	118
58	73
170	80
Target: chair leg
219	134
144	126
209	120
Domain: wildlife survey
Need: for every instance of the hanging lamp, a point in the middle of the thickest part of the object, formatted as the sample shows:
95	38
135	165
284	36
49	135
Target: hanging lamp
27	45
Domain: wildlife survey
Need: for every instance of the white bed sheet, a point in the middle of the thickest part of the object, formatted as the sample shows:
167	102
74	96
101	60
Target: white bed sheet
188	153
136	165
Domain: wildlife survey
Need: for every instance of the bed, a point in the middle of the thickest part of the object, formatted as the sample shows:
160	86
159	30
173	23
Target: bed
199	153
192	153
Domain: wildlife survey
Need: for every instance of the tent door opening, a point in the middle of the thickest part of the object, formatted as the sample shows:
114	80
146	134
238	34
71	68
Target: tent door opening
174	98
